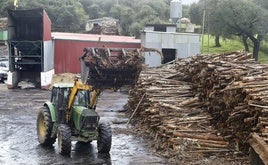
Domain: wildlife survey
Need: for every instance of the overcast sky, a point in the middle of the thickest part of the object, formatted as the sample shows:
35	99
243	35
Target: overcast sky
188	2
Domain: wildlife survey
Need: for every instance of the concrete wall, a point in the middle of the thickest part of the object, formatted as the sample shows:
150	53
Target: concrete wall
12	79
186	44
46	78
48	56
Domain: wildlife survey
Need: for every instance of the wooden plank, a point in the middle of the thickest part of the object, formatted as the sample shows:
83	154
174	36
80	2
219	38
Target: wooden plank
259	146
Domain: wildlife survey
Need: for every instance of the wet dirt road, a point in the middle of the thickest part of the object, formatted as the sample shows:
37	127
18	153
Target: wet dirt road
18	140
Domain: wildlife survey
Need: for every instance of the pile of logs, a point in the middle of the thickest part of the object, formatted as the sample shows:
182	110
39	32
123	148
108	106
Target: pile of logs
174	116
105	30
113	58
109	30
234	87
203	104
112	67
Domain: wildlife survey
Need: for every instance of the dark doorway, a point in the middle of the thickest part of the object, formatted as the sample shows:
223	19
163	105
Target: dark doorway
169	55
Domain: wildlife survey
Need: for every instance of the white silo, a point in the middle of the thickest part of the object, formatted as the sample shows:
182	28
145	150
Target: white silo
175	10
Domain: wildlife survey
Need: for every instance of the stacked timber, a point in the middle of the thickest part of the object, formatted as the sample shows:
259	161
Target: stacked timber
203	104
174	117
252	111
233	87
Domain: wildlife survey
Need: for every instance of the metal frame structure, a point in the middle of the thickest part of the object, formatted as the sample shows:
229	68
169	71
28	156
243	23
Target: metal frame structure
25	53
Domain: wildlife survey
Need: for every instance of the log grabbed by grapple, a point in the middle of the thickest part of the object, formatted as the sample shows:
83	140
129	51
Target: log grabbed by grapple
110	68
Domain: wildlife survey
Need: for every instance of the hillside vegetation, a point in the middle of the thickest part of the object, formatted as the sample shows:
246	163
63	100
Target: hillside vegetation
229	45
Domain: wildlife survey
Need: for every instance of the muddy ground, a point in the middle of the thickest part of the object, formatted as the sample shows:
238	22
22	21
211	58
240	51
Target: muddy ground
18	140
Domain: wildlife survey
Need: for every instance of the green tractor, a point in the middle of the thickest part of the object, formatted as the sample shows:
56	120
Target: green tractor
70	116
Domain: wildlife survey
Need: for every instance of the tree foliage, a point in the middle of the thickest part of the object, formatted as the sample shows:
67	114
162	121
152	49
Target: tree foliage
245	18
71	15
66	15
228	18
132	15
195	13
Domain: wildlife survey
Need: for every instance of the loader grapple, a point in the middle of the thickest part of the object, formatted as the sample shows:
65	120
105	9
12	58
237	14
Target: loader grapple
110	68
112	77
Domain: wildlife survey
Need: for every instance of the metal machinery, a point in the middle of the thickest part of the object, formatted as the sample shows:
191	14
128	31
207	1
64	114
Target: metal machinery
70	114
29	45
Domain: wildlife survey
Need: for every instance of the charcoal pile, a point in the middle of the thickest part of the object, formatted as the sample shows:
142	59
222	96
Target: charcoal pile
203	104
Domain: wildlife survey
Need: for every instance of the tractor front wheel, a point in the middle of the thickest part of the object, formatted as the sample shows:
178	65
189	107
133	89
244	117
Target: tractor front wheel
44	127
105	138
64	139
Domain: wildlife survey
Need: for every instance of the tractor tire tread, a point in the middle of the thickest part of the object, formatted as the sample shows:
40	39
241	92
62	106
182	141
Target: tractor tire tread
47	140
66	139
105	138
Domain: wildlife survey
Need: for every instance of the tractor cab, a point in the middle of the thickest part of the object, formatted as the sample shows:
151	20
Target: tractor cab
59	98
80	115
61	91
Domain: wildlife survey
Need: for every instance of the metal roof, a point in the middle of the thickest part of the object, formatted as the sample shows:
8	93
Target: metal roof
94	37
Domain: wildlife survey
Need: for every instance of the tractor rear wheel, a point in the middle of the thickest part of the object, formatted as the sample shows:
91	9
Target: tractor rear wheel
44	127
105	138
64	139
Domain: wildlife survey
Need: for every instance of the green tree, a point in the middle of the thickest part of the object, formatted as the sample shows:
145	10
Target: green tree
132	15
126	19
195	14
135	28
115	11
161	9
4	5
245	18
227	18
94	11
185	11
213	24
71	15
66	15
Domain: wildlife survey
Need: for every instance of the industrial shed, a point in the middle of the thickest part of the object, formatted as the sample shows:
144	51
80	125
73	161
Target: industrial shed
30	47
172	44
68	47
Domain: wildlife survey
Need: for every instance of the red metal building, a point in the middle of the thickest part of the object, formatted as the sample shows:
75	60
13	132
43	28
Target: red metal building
68	47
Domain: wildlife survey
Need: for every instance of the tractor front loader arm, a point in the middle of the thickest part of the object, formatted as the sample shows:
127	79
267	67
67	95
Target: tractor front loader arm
85	87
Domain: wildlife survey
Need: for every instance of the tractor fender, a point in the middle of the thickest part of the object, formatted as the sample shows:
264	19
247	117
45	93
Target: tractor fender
52	110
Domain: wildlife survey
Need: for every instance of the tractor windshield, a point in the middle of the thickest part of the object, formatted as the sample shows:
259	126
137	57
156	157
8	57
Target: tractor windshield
82	98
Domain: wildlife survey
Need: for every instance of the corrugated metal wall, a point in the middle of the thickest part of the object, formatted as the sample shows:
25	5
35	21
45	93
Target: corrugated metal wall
67	53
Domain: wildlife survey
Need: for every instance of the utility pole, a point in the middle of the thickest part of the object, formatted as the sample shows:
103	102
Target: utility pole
203	24
208	28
